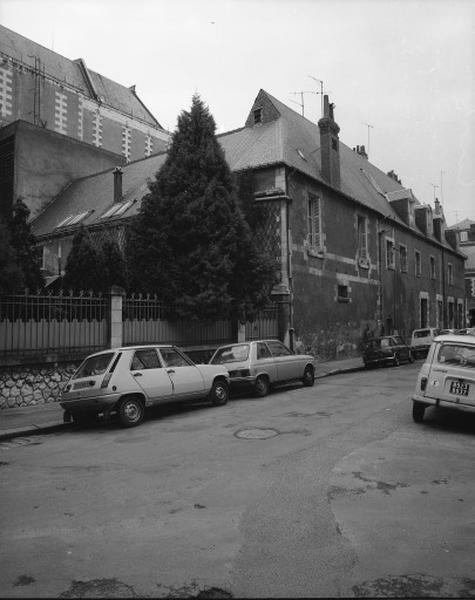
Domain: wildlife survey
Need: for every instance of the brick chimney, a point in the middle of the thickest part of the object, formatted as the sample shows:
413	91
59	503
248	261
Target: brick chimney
117	184
361	151
329	144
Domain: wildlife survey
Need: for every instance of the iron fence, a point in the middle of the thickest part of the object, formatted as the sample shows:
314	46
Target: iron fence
39	324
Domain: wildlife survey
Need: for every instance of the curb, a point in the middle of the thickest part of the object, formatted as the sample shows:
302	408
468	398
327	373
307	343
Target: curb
32	430
338	371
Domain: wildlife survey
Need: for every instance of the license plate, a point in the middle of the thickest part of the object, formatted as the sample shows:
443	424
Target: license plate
459	388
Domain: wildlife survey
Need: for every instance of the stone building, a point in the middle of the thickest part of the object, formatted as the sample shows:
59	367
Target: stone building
50	92
356	249
465	231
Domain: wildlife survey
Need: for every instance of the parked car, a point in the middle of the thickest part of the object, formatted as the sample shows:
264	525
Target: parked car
447	377
421	340
262	364
466	331
127	380
384	350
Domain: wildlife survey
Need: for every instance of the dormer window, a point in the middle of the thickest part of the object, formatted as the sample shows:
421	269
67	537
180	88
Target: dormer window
257	115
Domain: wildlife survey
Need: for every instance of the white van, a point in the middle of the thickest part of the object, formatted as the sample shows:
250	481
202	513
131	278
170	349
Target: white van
421	340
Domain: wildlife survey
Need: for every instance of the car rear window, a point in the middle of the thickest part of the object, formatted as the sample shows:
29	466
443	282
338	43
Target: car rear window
421	333
457	355
228	354
95	365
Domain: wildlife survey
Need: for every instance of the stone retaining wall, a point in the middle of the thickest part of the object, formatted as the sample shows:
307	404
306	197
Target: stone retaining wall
31	385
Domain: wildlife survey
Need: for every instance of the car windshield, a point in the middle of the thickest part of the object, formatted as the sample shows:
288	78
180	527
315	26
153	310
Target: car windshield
228	354
458	355
95	365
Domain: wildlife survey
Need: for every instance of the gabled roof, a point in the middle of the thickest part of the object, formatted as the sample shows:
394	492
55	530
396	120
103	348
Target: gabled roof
71	72
285	138
462	225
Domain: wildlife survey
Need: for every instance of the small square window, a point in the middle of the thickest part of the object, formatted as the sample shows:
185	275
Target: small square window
343	293
257	115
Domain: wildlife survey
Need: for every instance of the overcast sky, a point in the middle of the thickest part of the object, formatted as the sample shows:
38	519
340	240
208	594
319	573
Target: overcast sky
404	67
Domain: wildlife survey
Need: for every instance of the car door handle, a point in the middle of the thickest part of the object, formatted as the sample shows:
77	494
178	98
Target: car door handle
137	374
170	370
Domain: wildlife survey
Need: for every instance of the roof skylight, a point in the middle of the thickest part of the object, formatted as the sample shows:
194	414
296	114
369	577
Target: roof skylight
117	209
72	219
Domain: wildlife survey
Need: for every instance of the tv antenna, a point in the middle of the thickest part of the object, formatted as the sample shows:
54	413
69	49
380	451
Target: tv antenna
442	173
301	103
434	187
321	90
369	127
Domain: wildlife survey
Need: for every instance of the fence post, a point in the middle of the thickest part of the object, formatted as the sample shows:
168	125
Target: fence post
241	332
282	298
114	317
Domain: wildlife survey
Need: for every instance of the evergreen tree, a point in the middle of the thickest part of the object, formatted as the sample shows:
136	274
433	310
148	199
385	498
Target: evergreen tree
112	264
83	265
190	243
12	279
26	252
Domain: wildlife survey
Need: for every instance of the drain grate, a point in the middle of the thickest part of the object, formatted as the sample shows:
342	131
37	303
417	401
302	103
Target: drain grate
256	433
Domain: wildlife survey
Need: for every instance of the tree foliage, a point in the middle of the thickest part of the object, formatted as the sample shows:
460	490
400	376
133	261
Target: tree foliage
20	259
83	269
190	243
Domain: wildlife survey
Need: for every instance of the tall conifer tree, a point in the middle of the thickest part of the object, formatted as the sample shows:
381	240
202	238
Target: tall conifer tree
83	265
26	252
190	243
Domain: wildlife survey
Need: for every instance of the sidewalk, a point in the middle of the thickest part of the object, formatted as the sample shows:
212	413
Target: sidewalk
45	418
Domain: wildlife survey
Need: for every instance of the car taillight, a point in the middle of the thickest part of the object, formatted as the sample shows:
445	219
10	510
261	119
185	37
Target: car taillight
423	383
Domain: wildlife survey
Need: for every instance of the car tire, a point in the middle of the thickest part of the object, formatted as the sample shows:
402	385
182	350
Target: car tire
262	386
131	412
308	378
219	393
418	410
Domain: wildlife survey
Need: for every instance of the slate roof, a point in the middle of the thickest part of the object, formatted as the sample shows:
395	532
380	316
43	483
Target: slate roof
275	142
61	68
462	225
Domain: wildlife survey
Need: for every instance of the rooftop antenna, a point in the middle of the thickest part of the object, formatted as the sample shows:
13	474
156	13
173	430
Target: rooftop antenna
320	92
442	173
369	127
435	187
301	103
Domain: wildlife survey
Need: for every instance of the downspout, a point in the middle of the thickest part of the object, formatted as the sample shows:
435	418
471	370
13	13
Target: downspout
444	291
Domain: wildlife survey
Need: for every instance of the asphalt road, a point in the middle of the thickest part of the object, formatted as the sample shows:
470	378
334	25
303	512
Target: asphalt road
327	491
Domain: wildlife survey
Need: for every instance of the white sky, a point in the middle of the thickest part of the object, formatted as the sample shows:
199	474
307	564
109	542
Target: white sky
405	67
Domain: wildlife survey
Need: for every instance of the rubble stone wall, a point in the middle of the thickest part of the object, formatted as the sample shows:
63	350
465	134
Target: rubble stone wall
33	384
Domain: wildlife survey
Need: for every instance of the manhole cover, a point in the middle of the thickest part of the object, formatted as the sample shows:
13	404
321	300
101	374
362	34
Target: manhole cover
257	433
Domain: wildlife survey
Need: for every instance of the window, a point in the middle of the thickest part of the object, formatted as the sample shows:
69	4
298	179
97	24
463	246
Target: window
390	259
117	209
257	115
450	273
403	258
72	219
263	351
363	238
432	267
417	257
314	223
343	295
464	236
278	349
173	358
145	359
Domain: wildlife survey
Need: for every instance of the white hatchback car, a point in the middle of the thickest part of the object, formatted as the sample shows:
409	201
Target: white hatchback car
127	380
447	377
261	364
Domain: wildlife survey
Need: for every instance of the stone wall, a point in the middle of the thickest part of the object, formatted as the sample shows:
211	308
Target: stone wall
33	384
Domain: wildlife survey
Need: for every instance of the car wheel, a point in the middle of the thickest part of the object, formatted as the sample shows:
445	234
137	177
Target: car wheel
131	412
410	358
219	393
396	361
308	378
262	386
418	410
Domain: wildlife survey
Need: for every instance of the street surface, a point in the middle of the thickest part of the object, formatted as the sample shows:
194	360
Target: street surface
324	492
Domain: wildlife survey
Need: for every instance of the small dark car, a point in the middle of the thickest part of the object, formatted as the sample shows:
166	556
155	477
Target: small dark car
387	349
